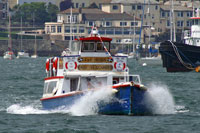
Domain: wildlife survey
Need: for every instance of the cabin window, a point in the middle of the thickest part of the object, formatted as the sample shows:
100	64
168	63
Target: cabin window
88	46
115	81
100	46
49	87
73	84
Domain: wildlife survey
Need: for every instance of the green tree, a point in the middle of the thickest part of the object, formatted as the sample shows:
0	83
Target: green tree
36	13
52	12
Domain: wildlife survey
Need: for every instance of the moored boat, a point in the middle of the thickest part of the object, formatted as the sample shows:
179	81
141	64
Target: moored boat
88	67
22	54
183	56
9	55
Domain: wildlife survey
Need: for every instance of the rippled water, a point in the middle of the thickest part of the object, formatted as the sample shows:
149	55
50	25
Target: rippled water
175	96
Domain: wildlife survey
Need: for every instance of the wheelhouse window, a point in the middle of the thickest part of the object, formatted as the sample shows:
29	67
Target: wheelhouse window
95	46
100	46
49	87
88	46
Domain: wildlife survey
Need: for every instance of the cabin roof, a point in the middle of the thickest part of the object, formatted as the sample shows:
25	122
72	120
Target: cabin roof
104	39
195	18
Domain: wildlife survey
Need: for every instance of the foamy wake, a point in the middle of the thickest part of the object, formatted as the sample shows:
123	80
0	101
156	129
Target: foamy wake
87	105
159	99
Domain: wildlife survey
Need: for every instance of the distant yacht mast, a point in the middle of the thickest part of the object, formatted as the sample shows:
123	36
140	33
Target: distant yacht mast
172	26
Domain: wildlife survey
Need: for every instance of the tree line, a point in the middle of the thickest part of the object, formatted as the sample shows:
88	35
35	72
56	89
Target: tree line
36	13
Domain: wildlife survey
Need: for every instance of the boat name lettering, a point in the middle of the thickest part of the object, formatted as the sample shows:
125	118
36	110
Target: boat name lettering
95	59
95	67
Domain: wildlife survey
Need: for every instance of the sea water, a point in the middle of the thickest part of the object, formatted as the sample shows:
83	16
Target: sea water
173	98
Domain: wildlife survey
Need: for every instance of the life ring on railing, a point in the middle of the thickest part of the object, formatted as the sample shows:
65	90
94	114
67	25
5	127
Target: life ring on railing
71	65
47	65
119	66
55	63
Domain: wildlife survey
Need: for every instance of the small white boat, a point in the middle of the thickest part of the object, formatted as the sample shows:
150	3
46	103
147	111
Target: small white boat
9	55
121	54
131	55
34	56
22	54
151	60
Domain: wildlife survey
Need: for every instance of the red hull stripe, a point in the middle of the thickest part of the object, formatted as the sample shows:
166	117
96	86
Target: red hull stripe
57	77
67	95
95	39
195	18
118	86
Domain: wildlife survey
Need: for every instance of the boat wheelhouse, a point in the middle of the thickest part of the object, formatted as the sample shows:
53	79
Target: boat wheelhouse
183	56
88	66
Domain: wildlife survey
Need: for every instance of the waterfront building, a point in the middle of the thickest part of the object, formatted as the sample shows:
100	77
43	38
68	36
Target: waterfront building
3	9
74	23
182	16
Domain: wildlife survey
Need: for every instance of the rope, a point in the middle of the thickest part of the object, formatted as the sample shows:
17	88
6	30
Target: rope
187	65
102	42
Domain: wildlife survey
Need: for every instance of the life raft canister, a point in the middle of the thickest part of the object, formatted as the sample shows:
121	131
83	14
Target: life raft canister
55	63
119	66
47	65
71	65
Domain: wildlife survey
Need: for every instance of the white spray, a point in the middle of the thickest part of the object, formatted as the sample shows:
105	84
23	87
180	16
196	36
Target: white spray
88	104
159	99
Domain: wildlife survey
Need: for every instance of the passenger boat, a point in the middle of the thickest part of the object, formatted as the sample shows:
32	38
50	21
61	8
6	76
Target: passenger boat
87	66
183	56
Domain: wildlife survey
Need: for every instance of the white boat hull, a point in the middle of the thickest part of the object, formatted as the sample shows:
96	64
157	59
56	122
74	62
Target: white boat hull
151	60
22	55
9	55
34	56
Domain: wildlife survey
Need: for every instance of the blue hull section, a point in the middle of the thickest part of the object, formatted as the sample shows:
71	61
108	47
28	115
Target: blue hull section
65	102
130	101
